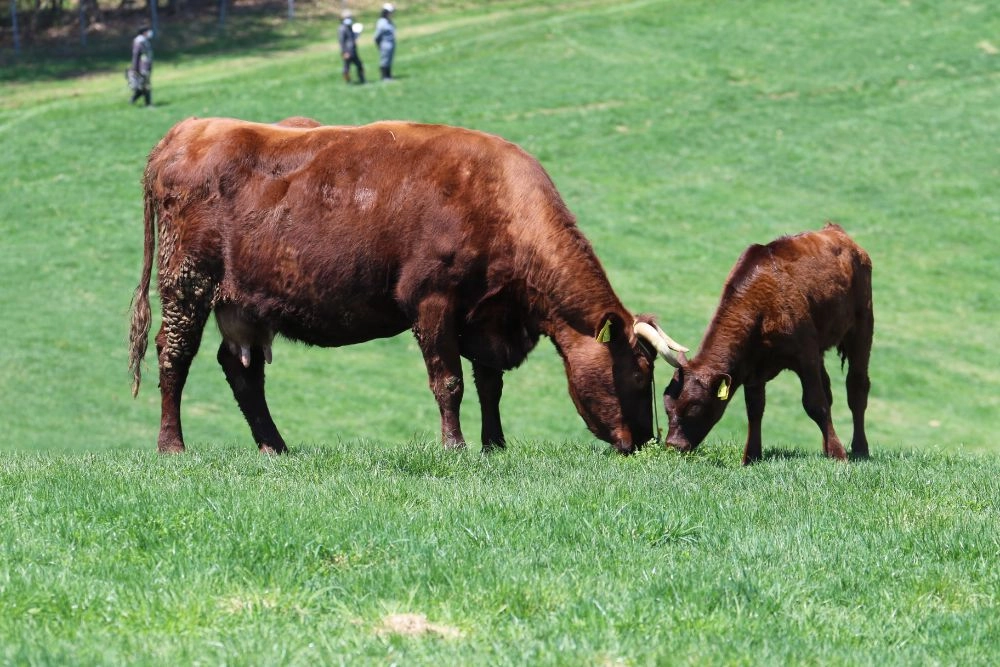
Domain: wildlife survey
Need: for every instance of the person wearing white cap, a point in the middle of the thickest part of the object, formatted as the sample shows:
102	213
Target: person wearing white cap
347	35
139	73
385	39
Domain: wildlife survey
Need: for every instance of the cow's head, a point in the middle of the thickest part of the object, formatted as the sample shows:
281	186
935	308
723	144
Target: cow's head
610	378
694	402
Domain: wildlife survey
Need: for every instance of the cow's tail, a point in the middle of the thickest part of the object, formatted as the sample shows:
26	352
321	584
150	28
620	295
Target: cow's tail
139	330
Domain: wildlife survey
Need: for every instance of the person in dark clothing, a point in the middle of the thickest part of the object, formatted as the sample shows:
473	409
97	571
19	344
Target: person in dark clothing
347	34
141	69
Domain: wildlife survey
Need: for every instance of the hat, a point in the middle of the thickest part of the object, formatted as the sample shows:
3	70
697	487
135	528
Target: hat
346	14
388	7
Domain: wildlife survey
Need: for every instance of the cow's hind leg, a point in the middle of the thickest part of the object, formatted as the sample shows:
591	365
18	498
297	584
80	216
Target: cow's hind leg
186	302
438	340
247	383
489	386
857	352
816	401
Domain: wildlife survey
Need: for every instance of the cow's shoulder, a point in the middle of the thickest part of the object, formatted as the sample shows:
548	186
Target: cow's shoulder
747	267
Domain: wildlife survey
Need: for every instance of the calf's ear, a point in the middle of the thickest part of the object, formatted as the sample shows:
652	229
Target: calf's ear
673	389
723	385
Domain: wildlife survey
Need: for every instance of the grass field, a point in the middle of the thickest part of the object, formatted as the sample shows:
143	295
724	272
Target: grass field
679	132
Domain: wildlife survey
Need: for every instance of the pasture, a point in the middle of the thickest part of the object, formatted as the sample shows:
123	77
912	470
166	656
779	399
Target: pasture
678	132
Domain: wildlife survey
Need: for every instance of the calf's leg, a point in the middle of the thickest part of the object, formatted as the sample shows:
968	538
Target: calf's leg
438	340
489	386
857	348
247	384
815	400
754	395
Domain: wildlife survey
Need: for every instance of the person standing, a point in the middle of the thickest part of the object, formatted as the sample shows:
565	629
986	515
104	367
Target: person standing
385	39
141	69
349	48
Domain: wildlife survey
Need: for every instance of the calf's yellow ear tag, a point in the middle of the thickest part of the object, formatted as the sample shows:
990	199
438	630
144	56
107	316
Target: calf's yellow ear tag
723	393
604	335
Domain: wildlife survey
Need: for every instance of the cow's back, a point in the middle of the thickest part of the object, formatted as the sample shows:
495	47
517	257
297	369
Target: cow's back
314	223
828	278
819	279
394	178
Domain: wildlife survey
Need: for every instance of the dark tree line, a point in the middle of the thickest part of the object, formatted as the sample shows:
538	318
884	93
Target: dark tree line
26	21
34	16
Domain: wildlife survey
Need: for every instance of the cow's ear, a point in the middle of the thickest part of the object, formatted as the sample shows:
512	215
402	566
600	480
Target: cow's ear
612	328
673	389
723	387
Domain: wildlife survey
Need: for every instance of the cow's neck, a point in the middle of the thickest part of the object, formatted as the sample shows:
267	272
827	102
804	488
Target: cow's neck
574	299
724	348
568	290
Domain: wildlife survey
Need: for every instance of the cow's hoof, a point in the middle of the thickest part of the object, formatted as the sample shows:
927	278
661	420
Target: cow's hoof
492	446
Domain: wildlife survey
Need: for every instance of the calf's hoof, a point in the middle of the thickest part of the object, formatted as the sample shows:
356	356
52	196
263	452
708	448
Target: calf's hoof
272	450
491	446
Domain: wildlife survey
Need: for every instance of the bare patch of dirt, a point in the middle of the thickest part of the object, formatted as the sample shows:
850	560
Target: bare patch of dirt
415	625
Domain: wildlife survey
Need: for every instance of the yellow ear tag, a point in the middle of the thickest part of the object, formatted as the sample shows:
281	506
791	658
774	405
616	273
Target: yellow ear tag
604	335
723	390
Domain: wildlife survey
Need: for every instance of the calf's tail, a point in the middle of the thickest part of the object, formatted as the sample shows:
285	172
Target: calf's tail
139	330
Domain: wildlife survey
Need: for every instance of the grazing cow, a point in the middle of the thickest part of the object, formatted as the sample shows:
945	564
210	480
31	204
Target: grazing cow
338	235
783	306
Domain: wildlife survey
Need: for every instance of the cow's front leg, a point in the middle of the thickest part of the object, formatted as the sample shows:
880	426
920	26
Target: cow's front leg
816	401
247	383
754	395
489	386
438	340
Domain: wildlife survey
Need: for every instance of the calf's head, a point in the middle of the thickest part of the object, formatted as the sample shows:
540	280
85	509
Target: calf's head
694	402
610	379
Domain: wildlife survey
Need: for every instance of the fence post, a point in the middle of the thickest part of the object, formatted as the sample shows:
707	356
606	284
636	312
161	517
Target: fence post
13	21
83	24
154	20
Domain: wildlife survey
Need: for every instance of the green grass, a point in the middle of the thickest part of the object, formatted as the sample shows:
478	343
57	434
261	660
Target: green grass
679	132
549	554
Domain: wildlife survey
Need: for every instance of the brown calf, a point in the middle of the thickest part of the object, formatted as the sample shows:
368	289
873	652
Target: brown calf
783	306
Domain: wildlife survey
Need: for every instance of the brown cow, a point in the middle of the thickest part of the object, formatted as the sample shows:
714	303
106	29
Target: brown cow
338	235
783	306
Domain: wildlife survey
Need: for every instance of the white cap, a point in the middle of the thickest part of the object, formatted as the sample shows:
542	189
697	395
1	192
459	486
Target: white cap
389	7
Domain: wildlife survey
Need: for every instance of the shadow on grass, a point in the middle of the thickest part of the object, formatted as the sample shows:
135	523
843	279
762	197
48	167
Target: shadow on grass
730	454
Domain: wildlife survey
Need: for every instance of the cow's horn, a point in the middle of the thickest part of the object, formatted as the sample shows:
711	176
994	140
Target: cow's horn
669	349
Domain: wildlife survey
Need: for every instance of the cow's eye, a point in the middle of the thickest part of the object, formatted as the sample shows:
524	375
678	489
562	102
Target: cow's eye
693	412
